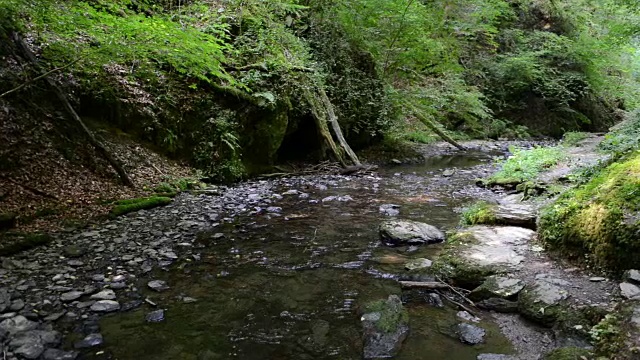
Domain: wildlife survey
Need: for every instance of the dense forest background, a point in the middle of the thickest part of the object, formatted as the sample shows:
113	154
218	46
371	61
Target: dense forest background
233	85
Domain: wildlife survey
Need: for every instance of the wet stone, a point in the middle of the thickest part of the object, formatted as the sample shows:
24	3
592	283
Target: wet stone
91	340
597	279
542	302
434	300
75	263
418	264
17	305
57	354
71	296
5	299
105	306
403	232
464	315
118	285
30	351
155	316
470	334
158	285
384	328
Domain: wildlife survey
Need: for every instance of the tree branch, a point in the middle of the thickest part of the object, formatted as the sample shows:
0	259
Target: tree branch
38	78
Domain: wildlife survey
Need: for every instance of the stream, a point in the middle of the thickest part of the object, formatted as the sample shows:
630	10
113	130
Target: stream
265	269
286	279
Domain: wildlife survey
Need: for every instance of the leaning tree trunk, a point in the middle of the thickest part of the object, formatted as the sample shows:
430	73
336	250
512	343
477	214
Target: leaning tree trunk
333	119
435	129
24	48
321	123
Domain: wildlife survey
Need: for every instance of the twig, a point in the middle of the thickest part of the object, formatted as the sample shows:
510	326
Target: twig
38	78
462	306
457	292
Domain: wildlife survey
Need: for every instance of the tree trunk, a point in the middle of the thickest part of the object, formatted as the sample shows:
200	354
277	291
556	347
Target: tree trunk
321	123
333	119
435	129
63	99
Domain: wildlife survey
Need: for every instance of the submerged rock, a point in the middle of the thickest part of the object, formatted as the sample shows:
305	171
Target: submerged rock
91	340
105	306
498	305
385	327
542	302
155	316
418	264
470	334
158	285
403	232
390	209
56	354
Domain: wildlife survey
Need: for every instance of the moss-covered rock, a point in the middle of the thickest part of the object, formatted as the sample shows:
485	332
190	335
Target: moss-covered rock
126	206
483	213
497	287
385	327
600	219
13	243
568	353
543	302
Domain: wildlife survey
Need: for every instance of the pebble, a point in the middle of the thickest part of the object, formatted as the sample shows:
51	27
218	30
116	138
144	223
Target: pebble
597	279
91	340
155	316
105	306
57	354
106	294
158	285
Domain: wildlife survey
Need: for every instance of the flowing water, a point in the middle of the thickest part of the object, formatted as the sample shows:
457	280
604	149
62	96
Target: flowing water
289	285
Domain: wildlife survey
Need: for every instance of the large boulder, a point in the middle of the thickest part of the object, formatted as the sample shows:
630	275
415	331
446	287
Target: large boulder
404	232
481	251
385	326
543	302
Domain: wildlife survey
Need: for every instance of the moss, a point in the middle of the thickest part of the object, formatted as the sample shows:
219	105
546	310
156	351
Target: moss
599	219
392	315
573	138
568	353
479	213
608	336
18	242
525	165
126	206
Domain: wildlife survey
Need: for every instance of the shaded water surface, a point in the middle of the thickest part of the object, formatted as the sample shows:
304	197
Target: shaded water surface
289	285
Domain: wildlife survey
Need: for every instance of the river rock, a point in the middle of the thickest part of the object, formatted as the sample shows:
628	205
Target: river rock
403	232
30	337
497	287
17	324
542	302
57	354
632	276
91	340
155	316
74	251
390	209
418	264
486	251
470	334
629	291
106	294
105	306
385	327
434	300
522	215
158	285
30	351
71	296
498	305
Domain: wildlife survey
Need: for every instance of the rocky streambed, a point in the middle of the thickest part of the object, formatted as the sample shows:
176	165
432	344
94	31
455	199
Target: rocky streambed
301	268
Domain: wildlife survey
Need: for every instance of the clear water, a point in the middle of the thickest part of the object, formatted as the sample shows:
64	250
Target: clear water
290	287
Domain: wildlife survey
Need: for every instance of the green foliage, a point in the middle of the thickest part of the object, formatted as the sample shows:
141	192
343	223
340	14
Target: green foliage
568	353
525	165
607	335
480	212
126	206
625	139
598	219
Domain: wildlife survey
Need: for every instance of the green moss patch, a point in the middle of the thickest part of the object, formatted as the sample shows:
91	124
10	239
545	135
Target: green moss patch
479	213
568	353
599	219
126	206
525	165
392	315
